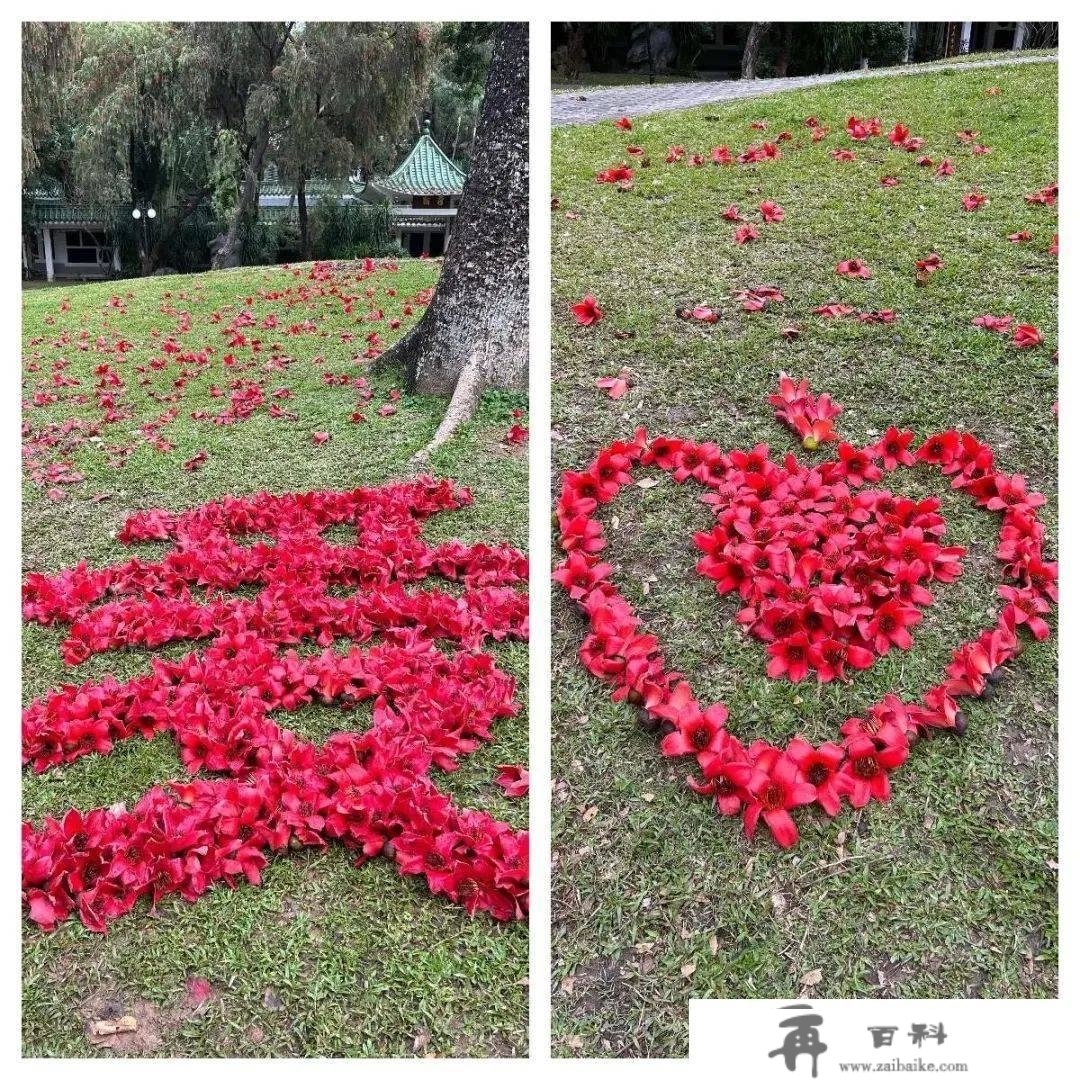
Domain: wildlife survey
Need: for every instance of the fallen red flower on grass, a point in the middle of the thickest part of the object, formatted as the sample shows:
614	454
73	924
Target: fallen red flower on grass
771	212
513	779
615	385
587	311
1026	336
617	174
853	268
1000	324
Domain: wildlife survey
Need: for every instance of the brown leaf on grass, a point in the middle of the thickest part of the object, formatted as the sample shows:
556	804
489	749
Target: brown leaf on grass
99	1029
811	978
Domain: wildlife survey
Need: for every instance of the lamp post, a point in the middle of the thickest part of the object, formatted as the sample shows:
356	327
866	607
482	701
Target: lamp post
146	214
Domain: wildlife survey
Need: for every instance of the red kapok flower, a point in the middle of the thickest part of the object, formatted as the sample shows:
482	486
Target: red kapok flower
853	268
587	311
513	779
1026	336
777	788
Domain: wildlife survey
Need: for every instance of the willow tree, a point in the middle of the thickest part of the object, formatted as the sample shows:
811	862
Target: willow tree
475	332
49	55
139	130
343	89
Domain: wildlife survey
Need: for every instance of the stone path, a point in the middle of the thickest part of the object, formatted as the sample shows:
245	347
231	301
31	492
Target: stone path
609	103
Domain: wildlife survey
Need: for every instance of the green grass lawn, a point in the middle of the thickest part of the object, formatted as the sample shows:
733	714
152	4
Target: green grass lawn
951	888
323	958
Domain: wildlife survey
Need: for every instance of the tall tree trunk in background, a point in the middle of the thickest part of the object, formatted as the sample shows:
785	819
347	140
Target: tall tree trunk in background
301	213
224	255
751	50
575	50
478	319
783	59
172	226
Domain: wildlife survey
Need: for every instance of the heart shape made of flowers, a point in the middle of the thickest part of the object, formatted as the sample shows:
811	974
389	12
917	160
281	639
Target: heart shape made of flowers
832	573
370	790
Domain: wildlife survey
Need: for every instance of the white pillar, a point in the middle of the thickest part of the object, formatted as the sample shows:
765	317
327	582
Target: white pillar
907	42
46	243
1019	34
116	257
965	38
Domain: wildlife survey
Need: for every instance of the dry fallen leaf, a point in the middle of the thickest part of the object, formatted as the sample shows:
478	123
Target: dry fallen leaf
101	1028
811	978
688	969
590	813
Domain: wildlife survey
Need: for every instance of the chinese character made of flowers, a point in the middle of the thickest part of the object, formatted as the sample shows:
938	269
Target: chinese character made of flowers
415	654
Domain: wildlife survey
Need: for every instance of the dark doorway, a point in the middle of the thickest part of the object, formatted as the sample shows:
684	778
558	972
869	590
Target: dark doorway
416	244
438	244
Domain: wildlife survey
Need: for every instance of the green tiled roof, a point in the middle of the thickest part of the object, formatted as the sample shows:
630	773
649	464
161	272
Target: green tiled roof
425	171
54	212
313	188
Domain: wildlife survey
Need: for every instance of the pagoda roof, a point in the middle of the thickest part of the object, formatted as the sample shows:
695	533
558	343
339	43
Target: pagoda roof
426	170
317	188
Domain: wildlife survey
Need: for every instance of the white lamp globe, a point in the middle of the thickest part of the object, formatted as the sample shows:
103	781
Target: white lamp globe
151	213
136	213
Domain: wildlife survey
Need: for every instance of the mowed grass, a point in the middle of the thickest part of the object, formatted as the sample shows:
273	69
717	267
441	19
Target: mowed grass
951	888
323	958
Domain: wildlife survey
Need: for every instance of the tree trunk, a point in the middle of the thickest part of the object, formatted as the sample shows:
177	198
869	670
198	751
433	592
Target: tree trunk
481	304
169	231
301	213
754	37
575	50
783	59
223	256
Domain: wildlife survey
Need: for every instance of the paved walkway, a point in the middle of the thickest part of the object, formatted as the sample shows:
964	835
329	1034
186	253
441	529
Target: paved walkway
609	103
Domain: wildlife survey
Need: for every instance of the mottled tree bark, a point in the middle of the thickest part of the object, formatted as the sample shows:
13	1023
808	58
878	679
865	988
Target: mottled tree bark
481	303
752	49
